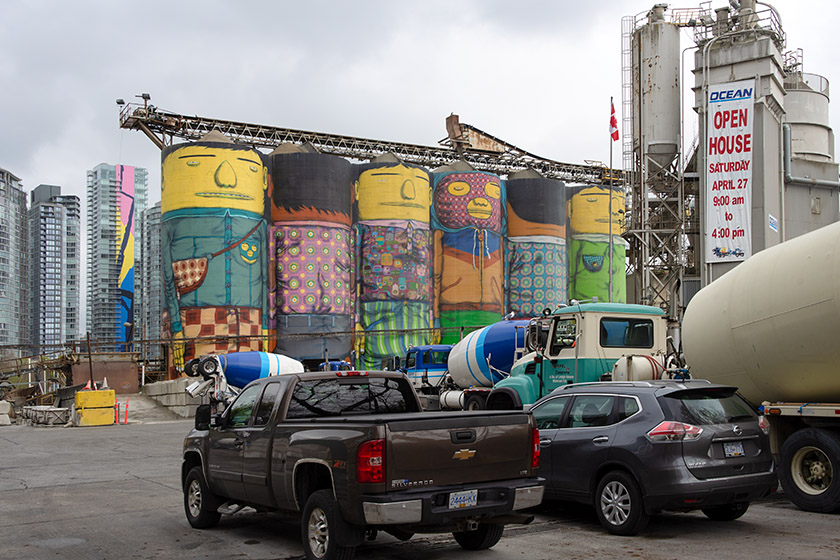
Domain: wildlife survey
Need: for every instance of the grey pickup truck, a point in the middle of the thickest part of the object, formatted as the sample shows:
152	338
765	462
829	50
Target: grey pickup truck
352	454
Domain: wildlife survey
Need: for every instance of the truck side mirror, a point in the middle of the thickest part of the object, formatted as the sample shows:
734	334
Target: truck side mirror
202	417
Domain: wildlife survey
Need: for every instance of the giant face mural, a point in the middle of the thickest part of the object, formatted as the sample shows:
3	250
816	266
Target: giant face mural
394	192
469	200
214	244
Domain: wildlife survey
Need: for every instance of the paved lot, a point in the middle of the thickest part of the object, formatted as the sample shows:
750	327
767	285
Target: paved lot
114	492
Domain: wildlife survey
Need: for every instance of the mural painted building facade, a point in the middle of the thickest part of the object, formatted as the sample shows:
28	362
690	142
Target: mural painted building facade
116	199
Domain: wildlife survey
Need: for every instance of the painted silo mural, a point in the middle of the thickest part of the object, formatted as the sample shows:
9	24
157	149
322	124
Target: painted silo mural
468	221
536	244
589	244
394	258
313	250
214	242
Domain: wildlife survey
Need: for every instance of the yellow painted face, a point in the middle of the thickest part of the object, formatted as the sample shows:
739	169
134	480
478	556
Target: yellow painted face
394	193
197	176
589	211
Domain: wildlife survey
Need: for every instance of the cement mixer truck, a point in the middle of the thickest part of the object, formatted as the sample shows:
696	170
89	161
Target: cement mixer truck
586	342
461	376
770	327
510	364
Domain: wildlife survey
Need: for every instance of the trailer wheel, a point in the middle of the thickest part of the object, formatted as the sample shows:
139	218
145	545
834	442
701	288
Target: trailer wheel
810	470
475	402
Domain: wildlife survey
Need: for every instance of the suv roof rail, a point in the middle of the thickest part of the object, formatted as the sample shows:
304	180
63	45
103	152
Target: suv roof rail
650	383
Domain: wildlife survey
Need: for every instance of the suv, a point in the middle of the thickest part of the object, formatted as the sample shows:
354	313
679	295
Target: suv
633	449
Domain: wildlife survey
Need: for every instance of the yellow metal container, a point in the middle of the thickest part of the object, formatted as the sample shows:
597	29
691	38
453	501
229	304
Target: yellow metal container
95	416
96	399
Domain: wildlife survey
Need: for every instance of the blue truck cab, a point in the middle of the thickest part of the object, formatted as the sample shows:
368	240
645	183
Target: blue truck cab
426	365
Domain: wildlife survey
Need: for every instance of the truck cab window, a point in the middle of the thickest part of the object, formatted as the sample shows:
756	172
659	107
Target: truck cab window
439	357
240	411
565	331
626	333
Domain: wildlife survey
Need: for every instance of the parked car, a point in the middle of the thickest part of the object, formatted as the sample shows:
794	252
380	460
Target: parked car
633	449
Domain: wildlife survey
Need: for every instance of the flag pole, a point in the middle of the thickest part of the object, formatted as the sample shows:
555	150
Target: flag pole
610	284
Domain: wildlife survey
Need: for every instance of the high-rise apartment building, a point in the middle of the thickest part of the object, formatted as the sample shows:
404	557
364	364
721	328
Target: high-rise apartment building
116	199
13	266
54	268
151	286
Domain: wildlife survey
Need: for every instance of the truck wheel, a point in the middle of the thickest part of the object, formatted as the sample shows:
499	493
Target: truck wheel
486	536
619	504
474	402
320	519
728	512
199	503
810	470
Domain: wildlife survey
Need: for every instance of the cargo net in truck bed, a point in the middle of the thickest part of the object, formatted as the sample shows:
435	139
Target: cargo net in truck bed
343	397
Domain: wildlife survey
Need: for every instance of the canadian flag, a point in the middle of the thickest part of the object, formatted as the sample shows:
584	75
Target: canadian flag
613	124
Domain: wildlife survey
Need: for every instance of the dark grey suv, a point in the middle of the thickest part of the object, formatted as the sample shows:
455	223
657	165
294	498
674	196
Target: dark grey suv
632	449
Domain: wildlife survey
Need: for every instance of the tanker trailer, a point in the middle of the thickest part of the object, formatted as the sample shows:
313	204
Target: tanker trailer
769	327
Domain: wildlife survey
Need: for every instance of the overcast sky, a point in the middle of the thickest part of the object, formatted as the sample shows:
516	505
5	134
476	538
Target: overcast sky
538	74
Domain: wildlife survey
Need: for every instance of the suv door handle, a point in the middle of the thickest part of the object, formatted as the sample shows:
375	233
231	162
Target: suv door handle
601	439
545	441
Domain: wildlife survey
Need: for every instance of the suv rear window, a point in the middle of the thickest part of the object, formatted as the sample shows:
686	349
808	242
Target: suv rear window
705	407
353	395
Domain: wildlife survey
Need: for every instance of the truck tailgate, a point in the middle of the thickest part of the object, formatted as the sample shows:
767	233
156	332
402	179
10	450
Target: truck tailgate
450	448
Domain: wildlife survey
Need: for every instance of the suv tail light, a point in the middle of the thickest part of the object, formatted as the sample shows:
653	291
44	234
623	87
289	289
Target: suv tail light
674	431
370	461
764	424
535	448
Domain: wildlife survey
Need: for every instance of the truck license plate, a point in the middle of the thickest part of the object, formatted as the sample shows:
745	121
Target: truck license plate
458	500
733	449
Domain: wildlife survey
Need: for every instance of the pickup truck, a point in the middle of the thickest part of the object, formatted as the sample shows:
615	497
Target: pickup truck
352	453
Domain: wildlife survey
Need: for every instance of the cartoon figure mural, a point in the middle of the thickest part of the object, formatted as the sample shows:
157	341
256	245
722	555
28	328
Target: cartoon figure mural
536	244
214	242
589	246
125	253
468	221
393	258
313	247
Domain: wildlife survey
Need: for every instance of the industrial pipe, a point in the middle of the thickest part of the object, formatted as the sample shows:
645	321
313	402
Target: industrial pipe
801	180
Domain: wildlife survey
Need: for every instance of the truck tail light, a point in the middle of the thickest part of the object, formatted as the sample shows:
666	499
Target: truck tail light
674	431
535	448
370	461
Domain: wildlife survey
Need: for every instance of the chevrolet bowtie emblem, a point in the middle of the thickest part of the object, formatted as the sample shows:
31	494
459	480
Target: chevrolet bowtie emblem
464	454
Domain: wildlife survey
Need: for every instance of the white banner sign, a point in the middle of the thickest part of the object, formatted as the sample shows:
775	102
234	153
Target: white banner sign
729	171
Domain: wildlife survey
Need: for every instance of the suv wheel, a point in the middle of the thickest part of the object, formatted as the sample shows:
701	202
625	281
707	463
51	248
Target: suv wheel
728	512
619	504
